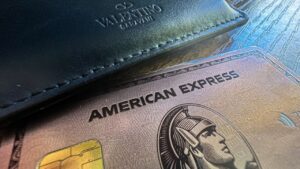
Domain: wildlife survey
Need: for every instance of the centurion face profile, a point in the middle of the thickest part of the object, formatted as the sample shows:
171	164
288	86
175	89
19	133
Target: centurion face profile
194	142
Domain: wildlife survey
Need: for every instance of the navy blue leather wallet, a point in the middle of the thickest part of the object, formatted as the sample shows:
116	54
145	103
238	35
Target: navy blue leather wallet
50	48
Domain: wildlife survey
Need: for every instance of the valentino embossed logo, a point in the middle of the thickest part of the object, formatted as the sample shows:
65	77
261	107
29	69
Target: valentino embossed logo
193	136
128	16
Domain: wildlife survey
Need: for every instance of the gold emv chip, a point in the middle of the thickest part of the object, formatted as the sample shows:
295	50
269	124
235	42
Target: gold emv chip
85	155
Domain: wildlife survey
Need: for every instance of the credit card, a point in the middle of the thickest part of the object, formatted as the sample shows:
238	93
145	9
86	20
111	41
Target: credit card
239	110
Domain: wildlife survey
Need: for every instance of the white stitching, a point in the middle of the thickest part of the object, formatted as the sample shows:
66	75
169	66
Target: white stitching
110	65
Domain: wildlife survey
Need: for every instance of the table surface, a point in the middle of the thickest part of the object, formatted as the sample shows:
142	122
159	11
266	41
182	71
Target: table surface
274	26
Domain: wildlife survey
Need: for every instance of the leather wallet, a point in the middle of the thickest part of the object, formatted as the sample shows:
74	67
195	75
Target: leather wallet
50	48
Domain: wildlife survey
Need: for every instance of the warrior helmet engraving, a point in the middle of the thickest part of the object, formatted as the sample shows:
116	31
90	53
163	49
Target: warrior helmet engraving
187	142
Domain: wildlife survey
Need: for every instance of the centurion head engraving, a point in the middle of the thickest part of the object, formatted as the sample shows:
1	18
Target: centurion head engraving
193	142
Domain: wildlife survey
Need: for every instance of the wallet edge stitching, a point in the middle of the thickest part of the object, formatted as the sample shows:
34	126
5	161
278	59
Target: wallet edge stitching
124	59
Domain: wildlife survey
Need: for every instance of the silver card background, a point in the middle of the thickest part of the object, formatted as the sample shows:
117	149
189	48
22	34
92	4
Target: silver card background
252	103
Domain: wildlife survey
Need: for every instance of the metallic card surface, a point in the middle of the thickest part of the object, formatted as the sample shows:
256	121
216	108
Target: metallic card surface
6	147
239	110
85	155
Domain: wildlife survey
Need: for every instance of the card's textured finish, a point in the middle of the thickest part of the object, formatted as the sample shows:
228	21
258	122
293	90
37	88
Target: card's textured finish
239	110
6	149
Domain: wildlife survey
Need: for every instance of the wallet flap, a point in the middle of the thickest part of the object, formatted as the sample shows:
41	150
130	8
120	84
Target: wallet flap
51	47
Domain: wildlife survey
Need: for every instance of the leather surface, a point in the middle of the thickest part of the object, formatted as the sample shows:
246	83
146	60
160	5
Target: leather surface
52	47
